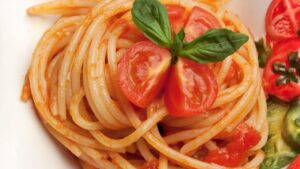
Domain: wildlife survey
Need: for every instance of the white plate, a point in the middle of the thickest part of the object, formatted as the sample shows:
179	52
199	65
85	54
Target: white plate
24	143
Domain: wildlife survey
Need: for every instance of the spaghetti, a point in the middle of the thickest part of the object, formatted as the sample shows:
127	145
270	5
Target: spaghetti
72	81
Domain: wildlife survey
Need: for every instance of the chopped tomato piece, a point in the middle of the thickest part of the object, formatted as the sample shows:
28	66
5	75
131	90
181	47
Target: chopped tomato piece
243	138
176	15
199	22
142	71
191	89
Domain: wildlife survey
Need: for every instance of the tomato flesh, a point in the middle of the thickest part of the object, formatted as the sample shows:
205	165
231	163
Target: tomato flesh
244	137
199	22
142	71
295	164
282	20
234	154
176	14
281	52
191	88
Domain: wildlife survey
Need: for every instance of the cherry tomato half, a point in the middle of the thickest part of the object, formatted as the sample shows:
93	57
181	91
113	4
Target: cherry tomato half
176	15
191	88
282	50
283	19
142	71
199	22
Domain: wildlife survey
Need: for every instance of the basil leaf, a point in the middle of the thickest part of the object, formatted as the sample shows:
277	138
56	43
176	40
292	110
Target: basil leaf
213	46
150	16
181	34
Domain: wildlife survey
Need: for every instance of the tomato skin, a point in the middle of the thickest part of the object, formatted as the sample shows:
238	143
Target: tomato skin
199	22
282	20
243	138
176	14
295	164
281	52
142	71
191	89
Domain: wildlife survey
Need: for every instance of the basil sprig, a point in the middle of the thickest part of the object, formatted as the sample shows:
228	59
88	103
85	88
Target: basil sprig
150	16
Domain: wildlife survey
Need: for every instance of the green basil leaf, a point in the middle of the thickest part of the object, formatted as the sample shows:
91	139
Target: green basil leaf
213	46
181	34
150	16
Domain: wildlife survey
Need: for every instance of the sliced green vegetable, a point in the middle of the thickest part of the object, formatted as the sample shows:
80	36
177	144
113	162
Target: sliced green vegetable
264	52
291	126
278	153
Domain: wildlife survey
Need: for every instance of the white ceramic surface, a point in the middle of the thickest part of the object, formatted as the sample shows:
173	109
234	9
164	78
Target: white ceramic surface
24	143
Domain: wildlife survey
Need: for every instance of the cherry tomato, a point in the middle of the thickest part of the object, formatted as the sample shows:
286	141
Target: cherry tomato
191	88
243	138
142	71
295	164
282	50
176	15
150	165
199	22
282	20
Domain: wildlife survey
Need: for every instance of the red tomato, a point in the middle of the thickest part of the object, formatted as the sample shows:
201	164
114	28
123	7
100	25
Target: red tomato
295	164
234	154
142	71
281	52
191	89
199	22
283	19
176	15
150	165
132	33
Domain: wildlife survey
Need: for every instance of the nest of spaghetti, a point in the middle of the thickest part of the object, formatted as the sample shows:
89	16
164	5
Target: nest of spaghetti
72	81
